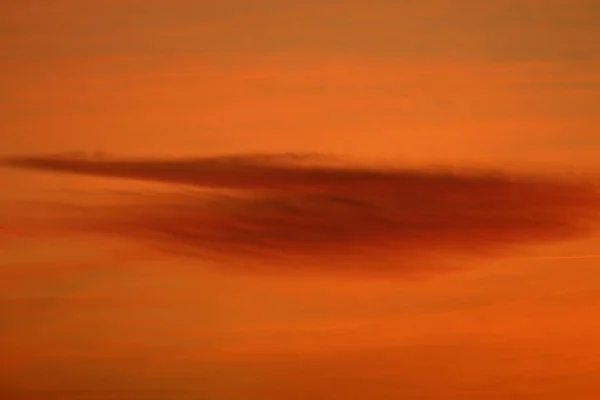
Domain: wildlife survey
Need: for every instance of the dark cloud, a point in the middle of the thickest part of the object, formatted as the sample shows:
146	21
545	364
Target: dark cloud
308	209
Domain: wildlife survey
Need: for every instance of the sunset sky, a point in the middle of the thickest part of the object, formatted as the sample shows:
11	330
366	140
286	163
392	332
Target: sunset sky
269	200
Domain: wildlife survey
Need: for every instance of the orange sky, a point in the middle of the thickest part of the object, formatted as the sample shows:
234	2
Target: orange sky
506	84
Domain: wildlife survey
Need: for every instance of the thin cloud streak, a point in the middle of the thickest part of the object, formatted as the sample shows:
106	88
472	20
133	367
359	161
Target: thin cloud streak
303	210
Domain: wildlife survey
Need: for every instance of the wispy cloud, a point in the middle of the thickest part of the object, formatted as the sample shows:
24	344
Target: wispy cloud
305	209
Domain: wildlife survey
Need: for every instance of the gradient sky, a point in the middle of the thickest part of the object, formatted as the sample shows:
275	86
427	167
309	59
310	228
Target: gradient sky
504	84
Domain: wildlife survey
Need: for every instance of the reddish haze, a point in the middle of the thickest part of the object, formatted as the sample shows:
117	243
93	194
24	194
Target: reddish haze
149	287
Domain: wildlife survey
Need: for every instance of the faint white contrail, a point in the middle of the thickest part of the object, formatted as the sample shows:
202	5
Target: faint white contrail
572	257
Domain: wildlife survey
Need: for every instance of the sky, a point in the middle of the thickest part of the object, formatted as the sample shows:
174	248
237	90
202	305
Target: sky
288	200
